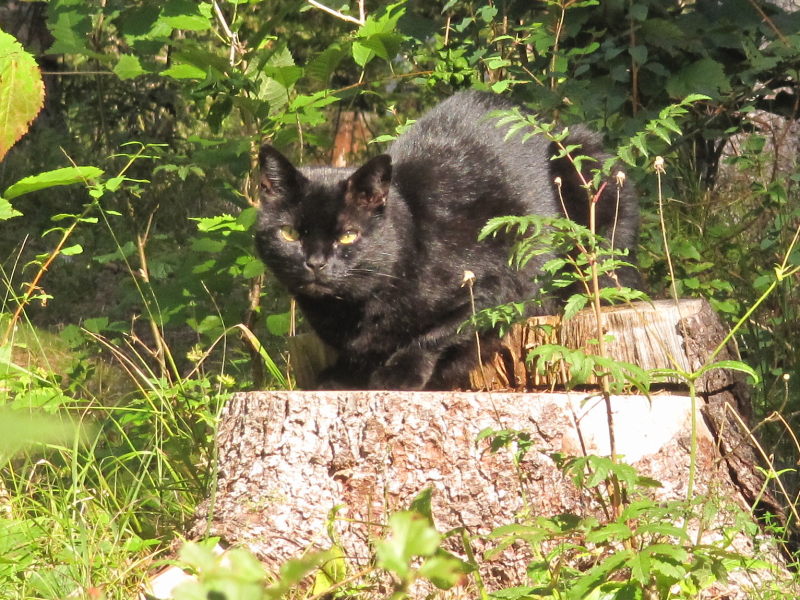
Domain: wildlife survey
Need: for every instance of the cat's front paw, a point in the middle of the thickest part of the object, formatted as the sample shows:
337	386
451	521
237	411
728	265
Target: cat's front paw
341	377
403	371
389	378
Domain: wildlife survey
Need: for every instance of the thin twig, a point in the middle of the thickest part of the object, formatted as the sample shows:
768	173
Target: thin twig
233	37
340	15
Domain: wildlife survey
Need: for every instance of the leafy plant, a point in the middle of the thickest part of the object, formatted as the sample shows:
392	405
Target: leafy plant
123	326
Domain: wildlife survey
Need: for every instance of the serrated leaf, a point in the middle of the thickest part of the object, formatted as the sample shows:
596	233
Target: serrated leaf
608	533
411	535
21	92
638	12
671	551
575	304
377	37
705	75
188	15
322	66
597	575
96	324
286	76
253	268
48	179
639	565
207	245
70	23
7	211
128	67
332	571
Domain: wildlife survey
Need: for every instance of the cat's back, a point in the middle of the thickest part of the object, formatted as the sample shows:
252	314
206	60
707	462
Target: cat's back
459	123
456	162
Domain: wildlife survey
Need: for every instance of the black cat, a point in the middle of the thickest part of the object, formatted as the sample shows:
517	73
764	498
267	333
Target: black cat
376	256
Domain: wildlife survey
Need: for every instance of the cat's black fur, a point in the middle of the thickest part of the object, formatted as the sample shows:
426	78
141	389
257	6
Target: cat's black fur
392	300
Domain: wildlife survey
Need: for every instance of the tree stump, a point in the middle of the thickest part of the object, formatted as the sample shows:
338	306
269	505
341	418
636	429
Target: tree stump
287	459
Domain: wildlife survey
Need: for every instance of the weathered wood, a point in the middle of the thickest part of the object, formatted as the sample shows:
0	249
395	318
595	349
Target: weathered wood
642	333
289	458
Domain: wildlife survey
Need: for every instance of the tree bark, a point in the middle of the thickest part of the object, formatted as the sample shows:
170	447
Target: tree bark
289	460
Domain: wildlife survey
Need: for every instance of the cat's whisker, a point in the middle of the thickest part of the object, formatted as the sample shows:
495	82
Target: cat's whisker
369	272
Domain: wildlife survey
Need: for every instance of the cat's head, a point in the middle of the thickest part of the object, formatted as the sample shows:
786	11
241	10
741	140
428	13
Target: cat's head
324	231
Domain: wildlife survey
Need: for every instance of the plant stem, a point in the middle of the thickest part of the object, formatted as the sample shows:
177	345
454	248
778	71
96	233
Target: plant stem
781	272
692	441
34	284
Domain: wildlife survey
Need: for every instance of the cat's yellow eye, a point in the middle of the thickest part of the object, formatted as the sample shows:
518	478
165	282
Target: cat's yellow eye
289	233
348	237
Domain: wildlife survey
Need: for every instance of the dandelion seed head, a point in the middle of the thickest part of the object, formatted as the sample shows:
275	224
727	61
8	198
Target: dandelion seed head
469	279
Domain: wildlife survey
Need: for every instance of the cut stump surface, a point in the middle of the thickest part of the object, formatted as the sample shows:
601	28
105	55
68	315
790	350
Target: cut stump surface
299	471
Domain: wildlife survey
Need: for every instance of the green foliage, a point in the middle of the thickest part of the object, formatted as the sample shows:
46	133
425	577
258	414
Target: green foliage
641	552
21	92
140	255
411	538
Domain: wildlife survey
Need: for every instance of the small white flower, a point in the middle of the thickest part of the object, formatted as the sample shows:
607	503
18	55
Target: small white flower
469	279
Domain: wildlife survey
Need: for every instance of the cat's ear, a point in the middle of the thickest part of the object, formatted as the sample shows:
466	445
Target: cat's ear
368	187
279	177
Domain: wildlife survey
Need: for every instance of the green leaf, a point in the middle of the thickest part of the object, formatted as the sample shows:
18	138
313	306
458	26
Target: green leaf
411	535
48	179
18	428
219	223
575	304
7	211
188	15
184	71
377	37
286	75
128	67
640	567
444	570
670	551
70	23
322	66
598	575
734	365
278	324
127	249
422	504
705	76
72	250
332	571
253	268
638	12
21	92
208	245
638	54
609	533
96	325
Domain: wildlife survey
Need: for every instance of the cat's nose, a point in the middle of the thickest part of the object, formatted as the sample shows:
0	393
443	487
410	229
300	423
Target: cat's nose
316	263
